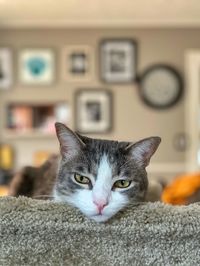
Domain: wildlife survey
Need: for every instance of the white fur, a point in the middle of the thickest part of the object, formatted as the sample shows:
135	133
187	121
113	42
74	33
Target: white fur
103	184
84	199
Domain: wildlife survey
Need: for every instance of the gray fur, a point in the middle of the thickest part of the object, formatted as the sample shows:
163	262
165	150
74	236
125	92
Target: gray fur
88	157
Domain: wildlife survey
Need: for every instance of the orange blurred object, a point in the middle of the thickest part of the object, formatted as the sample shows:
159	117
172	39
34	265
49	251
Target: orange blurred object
6	157
3	191
40	157
181	189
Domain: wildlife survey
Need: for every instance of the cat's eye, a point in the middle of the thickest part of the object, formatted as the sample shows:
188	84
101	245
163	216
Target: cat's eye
81	179
122	184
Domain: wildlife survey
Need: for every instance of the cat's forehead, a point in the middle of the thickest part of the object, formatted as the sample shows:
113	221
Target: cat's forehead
101	147
97	150
104	145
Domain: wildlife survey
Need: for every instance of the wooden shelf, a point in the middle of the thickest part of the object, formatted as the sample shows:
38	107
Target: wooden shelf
32	134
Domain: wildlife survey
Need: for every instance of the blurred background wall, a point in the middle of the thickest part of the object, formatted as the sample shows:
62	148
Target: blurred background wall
163	32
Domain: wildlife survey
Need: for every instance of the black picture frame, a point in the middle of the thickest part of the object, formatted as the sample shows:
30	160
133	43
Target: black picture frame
122	73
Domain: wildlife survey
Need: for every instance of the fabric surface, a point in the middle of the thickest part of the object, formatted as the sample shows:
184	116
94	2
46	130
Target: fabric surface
35	232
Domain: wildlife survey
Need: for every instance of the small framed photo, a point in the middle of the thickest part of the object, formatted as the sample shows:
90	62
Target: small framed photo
93	111
6	68
37	67
118	60
77	63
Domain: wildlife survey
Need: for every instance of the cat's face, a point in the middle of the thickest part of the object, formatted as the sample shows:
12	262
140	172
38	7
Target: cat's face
100	177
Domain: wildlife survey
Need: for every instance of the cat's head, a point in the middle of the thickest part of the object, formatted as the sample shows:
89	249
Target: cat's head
100	177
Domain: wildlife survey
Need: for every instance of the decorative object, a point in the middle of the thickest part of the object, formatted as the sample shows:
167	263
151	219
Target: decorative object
62	113
77	63
183	190
6	157
118	60
161	86
6	70
36	66
19	117
40	157
180	142
28	118
93	111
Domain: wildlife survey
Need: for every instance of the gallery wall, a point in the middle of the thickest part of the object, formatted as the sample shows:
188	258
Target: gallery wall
132	119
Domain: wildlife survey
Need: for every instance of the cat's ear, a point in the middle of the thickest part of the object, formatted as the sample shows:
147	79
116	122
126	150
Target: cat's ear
142	150
70	143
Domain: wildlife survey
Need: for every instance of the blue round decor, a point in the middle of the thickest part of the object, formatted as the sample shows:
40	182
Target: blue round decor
36	66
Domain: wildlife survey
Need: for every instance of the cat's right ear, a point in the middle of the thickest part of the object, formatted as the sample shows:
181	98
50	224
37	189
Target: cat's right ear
143	150
70	143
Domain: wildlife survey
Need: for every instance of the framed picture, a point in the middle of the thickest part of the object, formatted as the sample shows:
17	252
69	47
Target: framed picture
6	71
77	63
93	111
36	67
118	60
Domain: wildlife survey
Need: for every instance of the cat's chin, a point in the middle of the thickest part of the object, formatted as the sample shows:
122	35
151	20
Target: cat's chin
100	218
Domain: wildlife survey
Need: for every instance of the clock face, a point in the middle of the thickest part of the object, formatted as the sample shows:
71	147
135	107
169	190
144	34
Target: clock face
161	87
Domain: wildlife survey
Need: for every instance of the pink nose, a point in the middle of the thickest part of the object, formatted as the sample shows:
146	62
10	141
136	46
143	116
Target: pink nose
100	205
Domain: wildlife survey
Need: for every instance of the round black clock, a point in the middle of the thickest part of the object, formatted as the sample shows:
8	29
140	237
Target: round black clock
161	86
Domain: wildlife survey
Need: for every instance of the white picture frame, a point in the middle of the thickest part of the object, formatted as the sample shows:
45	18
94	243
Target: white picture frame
93	111
6	68
118	60
36	66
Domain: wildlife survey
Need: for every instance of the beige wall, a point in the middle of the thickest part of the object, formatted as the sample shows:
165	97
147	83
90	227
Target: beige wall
132	119
100	12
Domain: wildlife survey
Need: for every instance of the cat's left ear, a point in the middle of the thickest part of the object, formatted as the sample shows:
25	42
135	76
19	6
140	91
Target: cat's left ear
142	150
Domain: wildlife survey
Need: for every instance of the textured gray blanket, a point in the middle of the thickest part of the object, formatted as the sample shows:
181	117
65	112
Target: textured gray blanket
36	232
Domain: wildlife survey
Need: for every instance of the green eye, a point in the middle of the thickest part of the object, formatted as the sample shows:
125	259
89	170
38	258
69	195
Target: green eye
81	179
122	184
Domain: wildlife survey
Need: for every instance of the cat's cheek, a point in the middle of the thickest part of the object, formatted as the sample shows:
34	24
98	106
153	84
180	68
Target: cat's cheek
58	197
117	202
82	199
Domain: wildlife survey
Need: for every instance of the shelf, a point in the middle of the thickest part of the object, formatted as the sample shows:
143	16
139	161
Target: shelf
32	134
33	121
103	23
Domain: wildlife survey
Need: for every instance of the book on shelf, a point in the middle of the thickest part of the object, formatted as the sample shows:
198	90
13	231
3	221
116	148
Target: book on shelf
20	118
25	119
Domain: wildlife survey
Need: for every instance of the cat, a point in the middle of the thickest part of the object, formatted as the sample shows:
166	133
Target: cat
101	177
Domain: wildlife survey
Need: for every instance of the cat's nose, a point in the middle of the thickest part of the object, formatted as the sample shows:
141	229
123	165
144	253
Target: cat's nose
100	204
